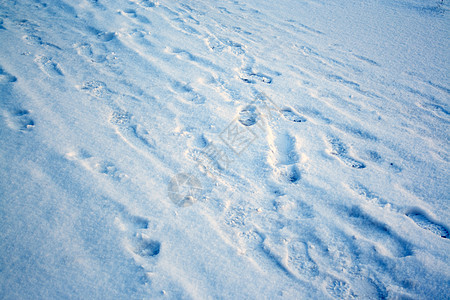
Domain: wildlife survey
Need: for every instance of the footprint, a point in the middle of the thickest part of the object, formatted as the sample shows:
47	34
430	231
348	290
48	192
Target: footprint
252	78
133	134
146	247
248	116
120	118
284	157
339	289
425	223
386	242
19	120
97	165
106	36
191	95
35	40
96	88
47	66
291	115
131	13
214	44
340	150
299	261
145	3
87	51
285	145
5	77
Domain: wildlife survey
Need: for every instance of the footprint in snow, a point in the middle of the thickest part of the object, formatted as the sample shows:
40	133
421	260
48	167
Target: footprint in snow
289	114
90	53
132	14
425	223
47	66
385	240
252	78
339	289
340	150
5	77
19	120
146	247
248	116
300	262
145	3
96	88
133	134
97	165
284	158
35	40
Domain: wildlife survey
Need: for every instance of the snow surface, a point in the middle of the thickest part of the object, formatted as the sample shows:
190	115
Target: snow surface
224	149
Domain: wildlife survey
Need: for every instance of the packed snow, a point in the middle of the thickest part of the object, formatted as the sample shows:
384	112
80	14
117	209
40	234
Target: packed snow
224	149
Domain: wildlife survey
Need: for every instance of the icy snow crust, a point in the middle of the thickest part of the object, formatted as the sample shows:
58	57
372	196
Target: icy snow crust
224	149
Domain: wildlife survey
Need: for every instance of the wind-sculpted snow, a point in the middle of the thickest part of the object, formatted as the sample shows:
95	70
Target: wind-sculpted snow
224	149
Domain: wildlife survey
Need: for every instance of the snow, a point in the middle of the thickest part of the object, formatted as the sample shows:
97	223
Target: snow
225	149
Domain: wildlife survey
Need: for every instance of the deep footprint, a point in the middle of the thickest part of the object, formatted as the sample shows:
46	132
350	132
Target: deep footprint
147	247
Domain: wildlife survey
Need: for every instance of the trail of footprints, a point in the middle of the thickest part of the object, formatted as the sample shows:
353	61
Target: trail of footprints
416	215
97	165
16	118
138	242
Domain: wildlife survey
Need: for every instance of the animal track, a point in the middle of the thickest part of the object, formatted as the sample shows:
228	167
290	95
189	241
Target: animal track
291	115
340	150
423	222
48	66
19	120
5	77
